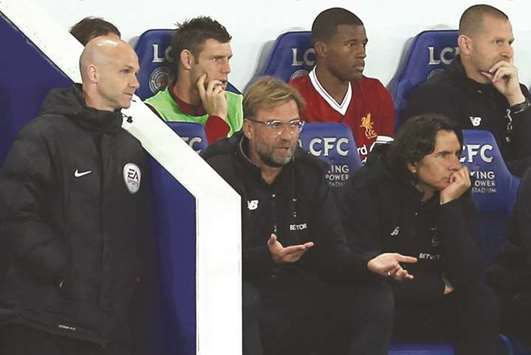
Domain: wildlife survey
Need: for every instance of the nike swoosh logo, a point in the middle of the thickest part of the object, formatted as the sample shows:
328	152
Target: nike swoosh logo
83	173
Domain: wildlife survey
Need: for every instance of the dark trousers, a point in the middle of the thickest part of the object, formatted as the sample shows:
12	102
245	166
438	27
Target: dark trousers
515	312
364	319
22	340
285	317
251	302
468	318
318	319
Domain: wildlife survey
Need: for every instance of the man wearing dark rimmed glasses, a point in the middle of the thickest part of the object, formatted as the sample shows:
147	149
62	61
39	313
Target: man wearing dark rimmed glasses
294	252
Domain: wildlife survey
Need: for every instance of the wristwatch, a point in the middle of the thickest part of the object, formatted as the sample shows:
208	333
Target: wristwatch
521	107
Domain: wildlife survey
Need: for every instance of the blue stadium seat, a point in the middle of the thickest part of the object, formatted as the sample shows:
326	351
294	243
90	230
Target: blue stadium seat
421	349
519	347
292	55
504	347
192	133
334	143
428	51
174	225
151	49
494	188
25	79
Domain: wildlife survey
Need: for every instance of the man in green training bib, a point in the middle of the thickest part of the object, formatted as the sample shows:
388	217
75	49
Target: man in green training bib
201	53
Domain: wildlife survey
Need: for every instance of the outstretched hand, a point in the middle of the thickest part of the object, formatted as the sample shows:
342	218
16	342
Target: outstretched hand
388	265
290	254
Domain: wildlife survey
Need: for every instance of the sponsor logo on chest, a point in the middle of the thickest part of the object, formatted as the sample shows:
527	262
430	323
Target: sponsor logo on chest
475	120
252	205
367	123
78	174
429	257
395	232
298	227
132	177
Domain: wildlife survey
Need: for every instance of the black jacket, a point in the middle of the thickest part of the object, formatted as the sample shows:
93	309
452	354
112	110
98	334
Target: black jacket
511	273
381	214
475	106
74	228
298	206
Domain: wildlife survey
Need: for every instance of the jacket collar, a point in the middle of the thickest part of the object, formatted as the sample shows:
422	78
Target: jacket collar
69	102
97	120
457	71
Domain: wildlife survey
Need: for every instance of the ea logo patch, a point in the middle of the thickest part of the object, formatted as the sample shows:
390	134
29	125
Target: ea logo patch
132	177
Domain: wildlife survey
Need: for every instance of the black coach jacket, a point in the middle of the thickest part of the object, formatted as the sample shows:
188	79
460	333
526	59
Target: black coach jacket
472	105
298	206
73	219
382	213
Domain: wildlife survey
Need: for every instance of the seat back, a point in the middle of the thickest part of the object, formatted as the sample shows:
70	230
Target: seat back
155	73
334	143
292	55
494	188
192	133
421	349
429	51
24	84
174	224
152	49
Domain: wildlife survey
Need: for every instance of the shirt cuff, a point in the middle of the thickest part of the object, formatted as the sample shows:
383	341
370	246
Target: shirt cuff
216	128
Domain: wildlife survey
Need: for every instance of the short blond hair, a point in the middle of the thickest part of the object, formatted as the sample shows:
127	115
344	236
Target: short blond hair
268	92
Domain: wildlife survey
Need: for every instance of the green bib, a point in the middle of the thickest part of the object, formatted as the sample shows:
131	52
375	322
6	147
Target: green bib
167	108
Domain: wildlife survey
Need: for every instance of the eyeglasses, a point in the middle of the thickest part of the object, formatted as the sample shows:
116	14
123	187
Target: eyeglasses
276	125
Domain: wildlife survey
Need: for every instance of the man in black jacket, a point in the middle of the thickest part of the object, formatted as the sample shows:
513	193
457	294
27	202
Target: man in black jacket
73	188
510	275
413	198
294	250
481	89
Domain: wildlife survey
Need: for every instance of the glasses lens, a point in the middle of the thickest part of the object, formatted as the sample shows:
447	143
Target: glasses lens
274	124
296	124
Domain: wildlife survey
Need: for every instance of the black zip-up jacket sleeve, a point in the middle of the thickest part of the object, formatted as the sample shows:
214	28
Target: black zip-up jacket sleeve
521	132
357	218
512	269
519	228
335	257
28	172
257	260
464	263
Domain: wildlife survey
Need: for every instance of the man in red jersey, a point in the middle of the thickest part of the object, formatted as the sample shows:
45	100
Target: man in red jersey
336	90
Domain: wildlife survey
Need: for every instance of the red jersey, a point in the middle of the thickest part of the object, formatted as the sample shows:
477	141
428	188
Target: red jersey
367	108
